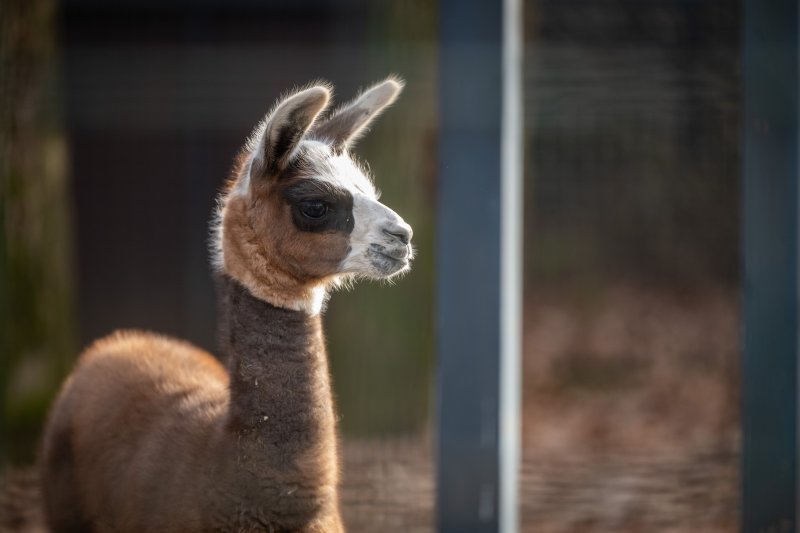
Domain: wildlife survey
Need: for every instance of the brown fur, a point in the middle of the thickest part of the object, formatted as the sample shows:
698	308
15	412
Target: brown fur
264	251
150	434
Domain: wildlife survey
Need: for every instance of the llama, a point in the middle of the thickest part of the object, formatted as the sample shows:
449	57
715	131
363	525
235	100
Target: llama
152	434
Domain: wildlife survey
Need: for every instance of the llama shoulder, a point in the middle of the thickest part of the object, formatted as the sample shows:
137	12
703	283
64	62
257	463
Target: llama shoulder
129	373
125	353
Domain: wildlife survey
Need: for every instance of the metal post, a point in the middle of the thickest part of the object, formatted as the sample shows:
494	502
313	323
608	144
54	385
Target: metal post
769	463
479	265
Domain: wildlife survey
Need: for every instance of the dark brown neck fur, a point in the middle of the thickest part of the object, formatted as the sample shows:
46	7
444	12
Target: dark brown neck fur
281	409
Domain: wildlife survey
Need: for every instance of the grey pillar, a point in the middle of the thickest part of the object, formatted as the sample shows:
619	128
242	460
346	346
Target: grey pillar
769	371
479	265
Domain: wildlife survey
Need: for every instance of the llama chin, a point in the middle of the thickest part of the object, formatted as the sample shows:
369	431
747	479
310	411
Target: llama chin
151	434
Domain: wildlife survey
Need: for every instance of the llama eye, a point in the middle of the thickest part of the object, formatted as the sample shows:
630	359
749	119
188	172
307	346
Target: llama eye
314	209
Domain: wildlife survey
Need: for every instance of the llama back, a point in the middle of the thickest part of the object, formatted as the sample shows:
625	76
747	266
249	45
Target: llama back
128	397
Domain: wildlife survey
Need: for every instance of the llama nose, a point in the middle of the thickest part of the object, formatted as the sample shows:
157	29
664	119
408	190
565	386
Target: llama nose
401	231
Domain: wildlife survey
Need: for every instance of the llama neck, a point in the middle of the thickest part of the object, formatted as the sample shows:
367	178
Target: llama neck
280	398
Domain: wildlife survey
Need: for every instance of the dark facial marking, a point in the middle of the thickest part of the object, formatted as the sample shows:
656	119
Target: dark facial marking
304	197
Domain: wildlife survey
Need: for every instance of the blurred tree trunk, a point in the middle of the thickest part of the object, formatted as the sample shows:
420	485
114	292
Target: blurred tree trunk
36	322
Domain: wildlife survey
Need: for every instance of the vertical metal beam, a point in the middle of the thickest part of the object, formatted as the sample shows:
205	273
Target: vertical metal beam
769	463
479	265
511	253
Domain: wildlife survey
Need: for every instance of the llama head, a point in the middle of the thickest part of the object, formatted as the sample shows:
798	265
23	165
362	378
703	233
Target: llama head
300	215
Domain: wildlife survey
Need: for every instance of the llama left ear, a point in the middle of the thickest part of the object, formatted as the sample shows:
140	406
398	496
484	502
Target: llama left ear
343	128
284	128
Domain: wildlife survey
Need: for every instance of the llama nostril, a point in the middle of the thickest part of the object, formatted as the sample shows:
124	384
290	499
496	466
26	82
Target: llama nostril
401	233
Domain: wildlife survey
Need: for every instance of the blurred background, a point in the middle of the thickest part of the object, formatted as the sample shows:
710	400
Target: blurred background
119	122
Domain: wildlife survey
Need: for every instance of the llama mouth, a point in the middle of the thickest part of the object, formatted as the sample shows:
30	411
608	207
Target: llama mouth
400	253
385	263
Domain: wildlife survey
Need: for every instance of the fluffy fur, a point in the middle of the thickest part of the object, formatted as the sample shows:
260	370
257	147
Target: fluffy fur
150	434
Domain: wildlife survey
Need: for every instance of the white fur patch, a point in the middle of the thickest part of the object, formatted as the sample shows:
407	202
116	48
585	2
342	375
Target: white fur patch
215	238
372	220
313	304
338	169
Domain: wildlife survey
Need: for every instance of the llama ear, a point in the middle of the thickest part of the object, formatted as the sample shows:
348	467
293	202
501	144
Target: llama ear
349	122
284	128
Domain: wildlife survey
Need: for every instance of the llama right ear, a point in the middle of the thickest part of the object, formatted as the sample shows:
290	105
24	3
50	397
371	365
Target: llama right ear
348	123
284	128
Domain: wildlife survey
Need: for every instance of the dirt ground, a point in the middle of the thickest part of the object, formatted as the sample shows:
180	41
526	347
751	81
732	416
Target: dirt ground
631	421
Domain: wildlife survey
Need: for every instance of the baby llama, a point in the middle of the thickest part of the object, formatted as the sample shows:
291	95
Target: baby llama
151	434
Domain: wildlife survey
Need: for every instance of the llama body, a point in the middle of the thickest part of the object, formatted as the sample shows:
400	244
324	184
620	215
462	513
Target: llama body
153	434
161	445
